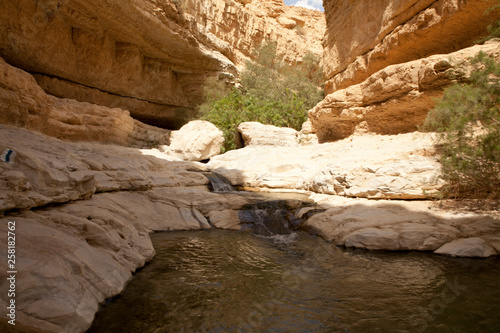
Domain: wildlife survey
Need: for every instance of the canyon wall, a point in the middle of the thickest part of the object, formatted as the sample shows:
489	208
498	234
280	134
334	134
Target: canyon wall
387	61
395	99
148	57
364	37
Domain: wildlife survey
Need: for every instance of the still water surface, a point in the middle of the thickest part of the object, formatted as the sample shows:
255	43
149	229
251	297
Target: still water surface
229	281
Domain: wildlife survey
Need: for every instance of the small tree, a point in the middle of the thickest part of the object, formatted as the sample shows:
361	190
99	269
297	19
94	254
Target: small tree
271	92
468	120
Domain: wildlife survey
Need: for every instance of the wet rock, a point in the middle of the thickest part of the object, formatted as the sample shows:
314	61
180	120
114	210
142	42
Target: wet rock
467	247
400	225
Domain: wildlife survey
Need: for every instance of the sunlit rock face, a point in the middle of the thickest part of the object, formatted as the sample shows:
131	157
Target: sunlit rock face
148	57
363	37
395	99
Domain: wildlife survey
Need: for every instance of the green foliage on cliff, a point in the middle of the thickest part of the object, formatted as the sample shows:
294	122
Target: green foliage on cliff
468	120
271	92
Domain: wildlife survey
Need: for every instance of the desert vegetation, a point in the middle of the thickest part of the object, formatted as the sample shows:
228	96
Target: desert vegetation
271	92
467	119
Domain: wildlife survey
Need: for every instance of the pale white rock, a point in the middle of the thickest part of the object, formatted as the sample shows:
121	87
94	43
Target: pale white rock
225	219
467	247
46	170
196	141
67	267
402	225
370	166
91	247
257	134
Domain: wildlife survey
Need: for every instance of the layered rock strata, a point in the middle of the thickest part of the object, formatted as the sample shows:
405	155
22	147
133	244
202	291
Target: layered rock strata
24	103
364	37
237	28
395	99
198	140
83	213
369	166
148	57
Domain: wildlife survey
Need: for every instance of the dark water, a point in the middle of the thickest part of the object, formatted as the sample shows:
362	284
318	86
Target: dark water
229	281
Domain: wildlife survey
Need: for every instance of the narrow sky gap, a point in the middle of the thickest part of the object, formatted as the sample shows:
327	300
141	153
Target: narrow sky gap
311	4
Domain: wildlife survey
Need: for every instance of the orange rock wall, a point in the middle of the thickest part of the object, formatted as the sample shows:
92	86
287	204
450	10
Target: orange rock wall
363	37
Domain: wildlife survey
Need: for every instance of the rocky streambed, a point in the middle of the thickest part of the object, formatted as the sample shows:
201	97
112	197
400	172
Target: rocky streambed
84	212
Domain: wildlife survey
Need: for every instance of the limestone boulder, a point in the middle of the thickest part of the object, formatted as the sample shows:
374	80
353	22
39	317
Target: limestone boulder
307	135
395	99
257	134
402	225
364	37
196	141
369	166
467	247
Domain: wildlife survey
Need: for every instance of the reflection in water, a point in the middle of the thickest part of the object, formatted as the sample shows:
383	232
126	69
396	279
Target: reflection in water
224	281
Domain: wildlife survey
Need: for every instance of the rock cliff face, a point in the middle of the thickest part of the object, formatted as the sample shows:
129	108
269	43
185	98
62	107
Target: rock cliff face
23	103
395	99
83	211
364	37
237	28
148	57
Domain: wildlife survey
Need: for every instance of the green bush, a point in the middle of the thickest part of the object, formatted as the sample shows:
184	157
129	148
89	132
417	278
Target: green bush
271	92
468	120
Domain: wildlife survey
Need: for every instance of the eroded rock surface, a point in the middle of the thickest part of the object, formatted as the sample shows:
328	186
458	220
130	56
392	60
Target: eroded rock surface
196	141
369	166
395	99
96	205
148	57
364	37
400	225
23	103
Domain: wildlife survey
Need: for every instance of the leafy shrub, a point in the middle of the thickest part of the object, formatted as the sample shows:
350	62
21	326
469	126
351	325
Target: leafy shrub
468	120
271	92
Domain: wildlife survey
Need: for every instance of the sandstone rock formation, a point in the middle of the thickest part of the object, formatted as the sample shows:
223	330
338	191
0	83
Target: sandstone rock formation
396	167
237	28
74	255
391	225
24	104
196	141
148	57
395	99
468	247
364	37
257	134
110	198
